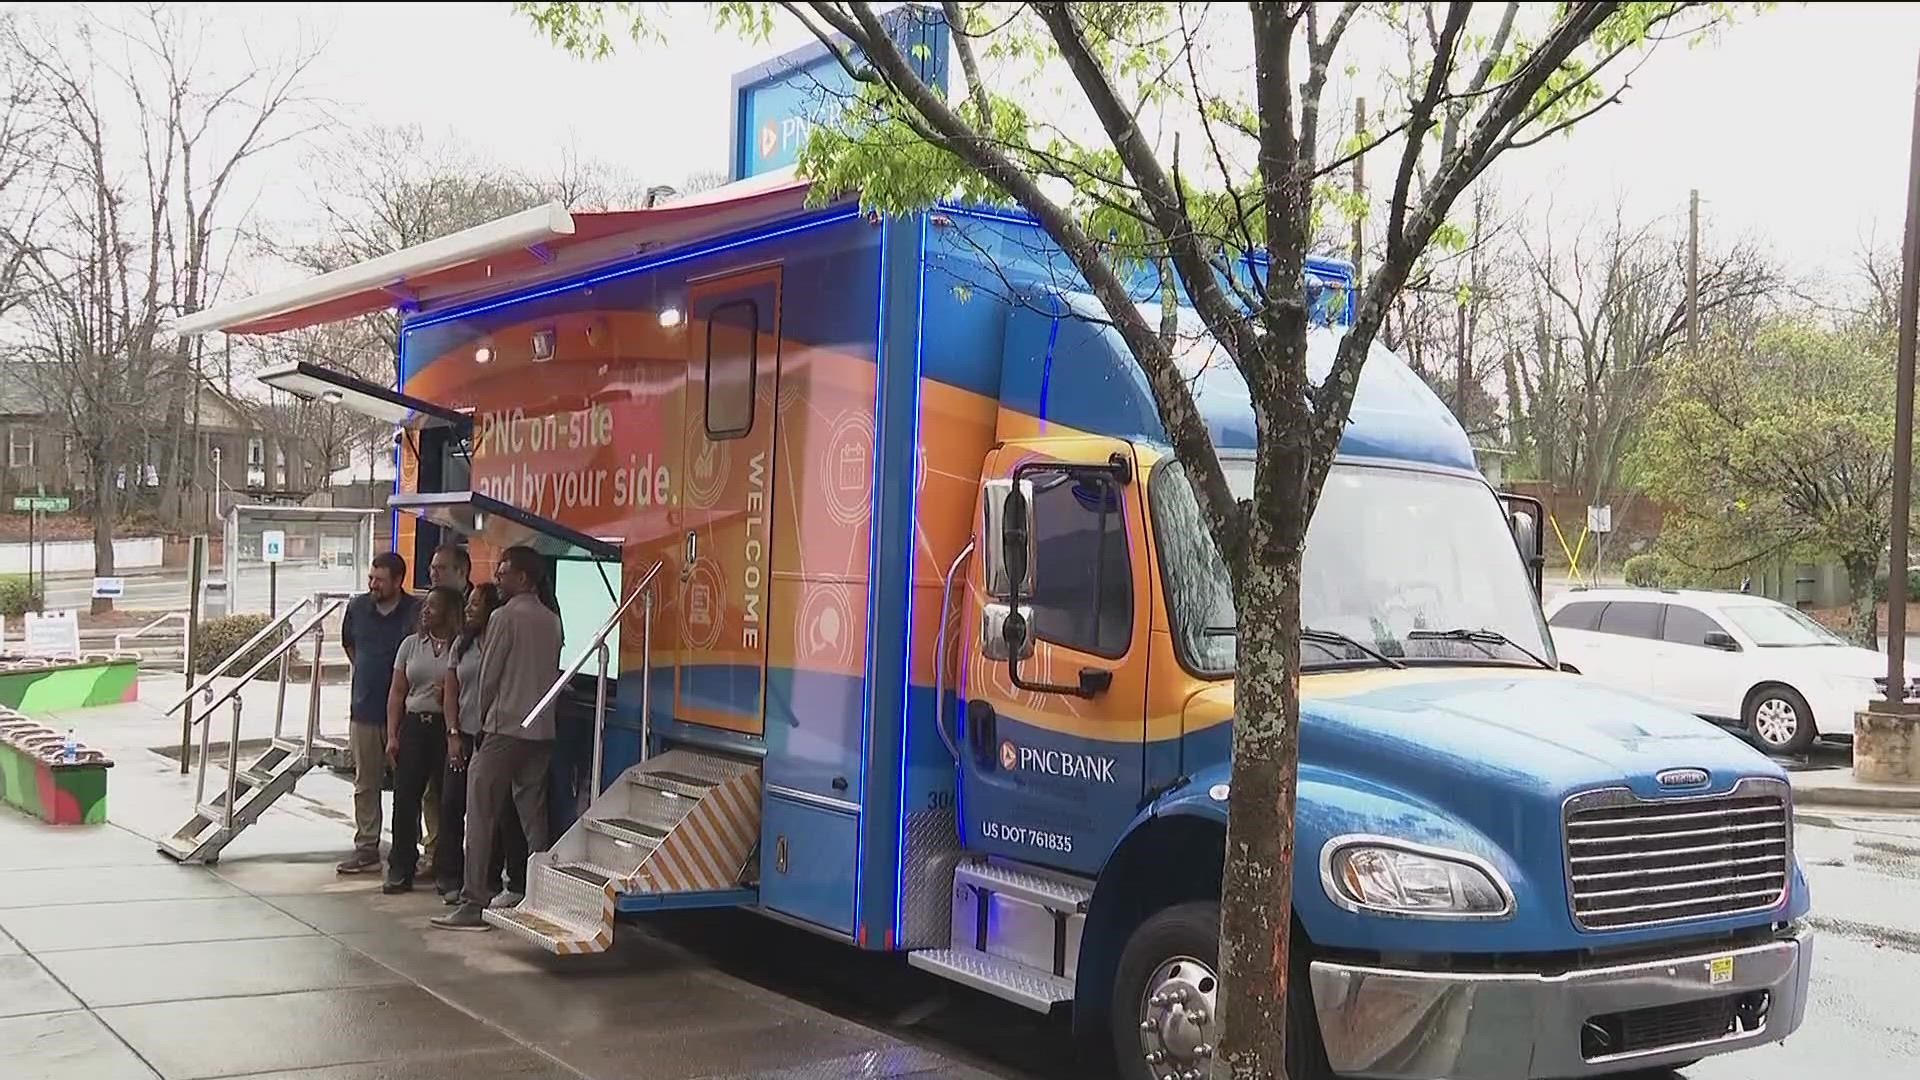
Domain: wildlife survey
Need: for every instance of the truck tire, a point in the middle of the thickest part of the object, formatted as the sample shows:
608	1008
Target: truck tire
1174	956
1779	720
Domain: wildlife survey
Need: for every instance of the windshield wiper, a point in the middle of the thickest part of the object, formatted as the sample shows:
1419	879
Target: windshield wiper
1320	637
1481	638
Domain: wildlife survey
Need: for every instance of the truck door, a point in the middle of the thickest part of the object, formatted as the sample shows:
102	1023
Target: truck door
1054	723
733	371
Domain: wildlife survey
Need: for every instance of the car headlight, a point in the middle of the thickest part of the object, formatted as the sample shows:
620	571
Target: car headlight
1393	877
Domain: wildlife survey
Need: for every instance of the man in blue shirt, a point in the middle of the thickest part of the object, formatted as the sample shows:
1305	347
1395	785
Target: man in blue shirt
371	630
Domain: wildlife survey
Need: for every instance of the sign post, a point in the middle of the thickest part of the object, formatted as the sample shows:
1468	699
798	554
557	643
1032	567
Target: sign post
34	506
196	580
273	551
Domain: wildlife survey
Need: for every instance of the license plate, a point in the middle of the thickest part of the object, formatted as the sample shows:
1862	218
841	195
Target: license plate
1719	970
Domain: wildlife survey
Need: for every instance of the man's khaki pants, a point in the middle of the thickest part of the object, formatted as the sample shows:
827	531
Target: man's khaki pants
369	744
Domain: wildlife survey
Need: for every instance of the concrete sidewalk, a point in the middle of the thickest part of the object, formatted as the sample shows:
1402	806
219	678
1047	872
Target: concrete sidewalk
1837	786
116	963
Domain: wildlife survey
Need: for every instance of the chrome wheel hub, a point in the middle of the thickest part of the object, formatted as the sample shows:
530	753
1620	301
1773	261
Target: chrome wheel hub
1179	1026
1776	721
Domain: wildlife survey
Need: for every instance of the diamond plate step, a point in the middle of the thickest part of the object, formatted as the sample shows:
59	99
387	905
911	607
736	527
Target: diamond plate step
1048	892
555	937
1037	990
637	833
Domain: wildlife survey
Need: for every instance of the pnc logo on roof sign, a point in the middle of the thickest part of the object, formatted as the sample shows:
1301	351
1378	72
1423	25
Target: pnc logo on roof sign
1094	767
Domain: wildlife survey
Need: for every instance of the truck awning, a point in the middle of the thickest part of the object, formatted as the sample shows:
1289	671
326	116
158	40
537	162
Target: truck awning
531	245
503	525
312	382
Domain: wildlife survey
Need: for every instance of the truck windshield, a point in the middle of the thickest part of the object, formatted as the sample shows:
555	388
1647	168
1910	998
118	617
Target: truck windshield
1390	552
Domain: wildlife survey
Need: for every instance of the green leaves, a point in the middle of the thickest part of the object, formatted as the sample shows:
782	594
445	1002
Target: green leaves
1780	446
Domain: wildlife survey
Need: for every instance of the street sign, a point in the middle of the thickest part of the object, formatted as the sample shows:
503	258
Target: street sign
273	545
109	588
1600	519
50	504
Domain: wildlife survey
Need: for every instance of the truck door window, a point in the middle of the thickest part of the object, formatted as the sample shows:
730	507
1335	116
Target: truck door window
1631	619
1084	581
733	346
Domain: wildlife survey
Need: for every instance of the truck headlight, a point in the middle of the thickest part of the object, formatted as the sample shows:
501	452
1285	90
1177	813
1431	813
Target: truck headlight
1393	877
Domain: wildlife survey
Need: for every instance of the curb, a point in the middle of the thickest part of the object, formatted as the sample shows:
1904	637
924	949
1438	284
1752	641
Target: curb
1878	798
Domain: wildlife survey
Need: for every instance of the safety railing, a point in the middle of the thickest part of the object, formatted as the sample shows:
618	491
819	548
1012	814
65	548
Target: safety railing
186	662
597	647
322	605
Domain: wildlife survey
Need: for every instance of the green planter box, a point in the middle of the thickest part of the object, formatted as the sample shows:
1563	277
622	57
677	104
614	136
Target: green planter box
54	793
70	686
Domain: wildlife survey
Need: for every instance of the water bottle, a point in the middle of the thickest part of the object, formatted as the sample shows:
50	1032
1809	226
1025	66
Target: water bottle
70	749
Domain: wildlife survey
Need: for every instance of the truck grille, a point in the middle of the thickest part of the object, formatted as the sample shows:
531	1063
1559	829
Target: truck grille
1634	862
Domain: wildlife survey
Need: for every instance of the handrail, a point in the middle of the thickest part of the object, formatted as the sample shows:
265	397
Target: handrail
278	651
245	647
593	646
154	625
940	656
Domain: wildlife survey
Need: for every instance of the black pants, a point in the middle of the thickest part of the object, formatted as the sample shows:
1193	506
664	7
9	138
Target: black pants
507	868
423	753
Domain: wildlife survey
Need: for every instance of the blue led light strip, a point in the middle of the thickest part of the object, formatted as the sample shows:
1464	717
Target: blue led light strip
724	244
915	455
873	565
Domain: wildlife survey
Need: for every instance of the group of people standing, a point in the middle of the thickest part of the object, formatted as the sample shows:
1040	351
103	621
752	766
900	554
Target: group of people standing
444	689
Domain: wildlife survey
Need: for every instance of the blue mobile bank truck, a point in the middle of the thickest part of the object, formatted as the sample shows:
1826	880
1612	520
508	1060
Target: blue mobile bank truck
914	639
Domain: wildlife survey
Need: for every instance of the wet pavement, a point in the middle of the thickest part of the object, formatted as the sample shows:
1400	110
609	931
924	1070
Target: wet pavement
115	963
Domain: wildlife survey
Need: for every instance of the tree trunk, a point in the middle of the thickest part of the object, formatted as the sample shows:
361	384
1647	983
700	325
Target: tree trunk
103	503
1863	628
1256	898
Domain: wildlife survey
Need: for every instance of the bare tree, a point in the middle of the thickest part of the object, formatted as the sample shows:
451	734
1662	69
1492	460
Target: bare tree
1606	304
143	142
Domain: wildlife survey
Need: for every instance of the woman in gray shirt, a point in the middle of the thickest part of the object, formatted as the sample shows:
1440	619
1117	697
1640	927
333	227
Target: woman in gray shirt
460	695
417	728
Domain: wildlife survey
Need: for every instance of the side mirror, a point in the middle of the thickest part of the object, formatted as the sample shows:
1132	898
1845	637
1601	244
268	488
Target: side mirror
1524	517
1526	534
996	539
1722	641
1016	544
1005	632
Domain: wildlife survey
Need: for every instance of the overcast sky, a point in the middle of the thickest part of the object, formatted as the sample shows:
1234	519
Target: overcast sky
1794	125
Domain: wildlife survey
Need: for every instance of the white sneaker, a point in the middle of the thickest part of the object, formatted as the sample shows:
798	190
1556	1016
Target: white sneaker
507	900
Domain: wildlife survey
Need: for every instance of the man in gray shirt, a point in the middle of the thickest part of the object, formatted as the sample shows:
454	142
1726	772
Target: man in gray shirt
519	661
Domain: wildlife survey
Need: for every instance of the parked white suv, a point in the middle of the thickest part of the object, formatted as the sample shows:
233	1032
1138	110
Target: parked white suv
1728	657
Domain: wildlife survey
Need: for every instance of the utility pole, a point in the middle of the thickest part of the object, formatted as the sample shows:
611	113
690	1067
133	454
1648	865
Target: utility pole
1359	187
1903	433
1693	273
1462	364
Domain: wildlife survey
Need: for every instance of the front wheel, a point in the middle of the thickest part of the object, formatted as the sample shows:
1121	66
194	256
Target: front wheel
1164	1018
1779	719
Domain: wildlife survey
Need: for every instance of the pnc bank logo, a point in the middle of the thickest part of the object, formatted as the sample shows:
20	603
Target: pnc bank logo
769	138
1096	768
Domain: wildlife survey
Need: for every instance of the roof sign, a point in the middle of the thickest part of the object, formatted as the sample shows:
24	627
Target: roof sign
776	104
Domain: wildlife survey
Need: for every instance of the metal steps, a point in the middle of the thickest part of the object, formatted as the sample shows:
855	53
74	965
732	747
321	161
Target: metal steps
682	824
1009	980
258	785
1015	933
